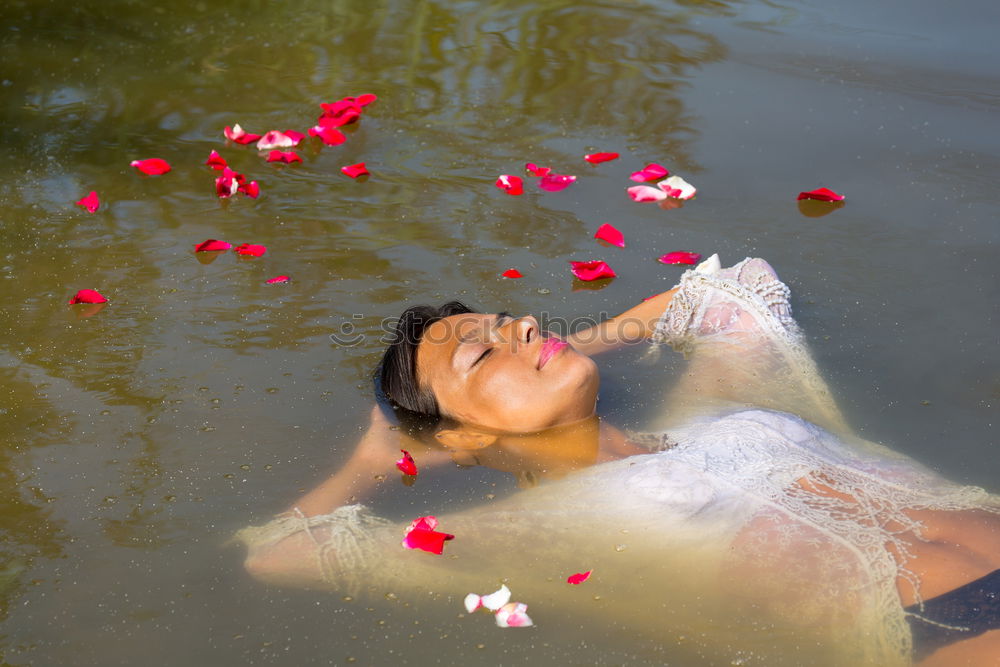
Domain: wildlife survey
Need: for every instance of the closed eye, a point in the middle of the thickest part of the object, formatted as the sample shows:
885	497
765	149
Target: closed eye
482	356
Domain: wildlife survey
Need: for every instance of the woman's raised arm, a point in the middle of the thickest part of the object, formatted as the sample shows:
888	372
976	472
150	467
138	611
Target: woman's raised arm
633	326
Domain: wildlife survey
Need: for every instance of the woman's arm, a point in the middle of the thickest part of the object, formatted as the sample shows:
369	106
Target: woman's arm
632	326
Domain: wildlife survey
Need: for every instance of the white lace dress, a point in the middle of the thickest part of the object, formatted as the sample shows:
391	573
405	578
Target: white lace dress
716	538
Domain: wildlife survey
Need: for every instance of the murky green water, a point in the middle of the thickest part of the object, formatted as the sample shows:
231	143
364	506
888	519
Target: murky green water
201	399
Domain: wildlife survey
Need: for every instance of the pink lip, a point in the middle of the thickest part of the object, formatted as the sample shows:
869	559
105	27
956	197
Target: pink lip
550	348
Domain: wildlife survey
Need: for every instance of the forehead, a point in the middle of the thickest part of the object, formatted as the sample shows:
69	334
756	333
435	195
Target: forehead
441	338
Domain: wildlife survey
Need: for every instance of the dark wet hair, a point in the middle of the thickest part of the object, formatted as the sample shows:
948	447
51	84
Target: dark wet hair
396	374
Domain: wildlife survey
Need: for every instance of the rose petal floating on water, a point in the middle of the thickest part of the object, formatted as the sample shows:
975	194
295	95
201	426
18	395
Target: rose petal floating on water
512	273
227	184
331	136
250	189
153	166
276	139
421	535
609	234
239	135
512	185
514	615
555	182
650	172
497	599
406	464
473	602
365	99
250	250
341	112
535	170
677	187
87	296
216	161
579	577
283	156
644	193
594	270
89	202
277	279
355	170
680	257
597	158
212	245
821	194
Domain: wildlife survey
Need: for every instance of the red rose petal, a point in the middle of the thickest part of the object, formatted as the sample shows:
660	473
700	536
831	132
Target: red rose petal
594	270
355	170
555	182
212	245
331	136
512	185
365	99
650	172
216	161
512	273
283	156
535	170
597	158
609	234
644	193
250	189
680	257
250	250
279	279
227	184
578	578
341	112
406	464
153	166
87	296
90	202
239	135
421	535
821	194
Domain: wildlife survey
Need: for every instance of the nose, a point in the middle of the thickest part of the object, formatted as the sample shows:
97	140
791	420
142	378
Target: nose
526	329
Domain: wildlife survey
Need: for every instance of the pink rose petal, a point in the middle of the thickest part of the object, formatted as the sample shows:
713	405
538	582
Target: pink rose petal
216	161
650	172
212	245
239	135
821	194
87	296
597	158
472	602
277	279
331	136
644	193
90	202
250	250
153	166
680	257
355	170
535	170
677	187
555	182
421	535
609	234
512	185
578	578
283	156
250	189
276	139
406	464
594	270
512	273
513	615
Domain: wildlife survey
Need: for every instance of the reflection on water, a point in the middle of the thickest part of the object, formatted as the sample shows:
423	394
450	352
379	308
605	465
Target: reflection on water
201	399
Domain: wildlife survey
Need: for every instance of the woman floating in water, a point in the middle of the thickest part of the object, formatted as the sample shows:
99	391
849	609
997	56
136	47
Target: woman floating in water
748	517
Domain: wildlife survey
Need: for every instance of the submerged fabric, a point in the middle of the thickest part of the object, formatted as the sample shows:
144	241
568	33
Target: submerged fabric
721	538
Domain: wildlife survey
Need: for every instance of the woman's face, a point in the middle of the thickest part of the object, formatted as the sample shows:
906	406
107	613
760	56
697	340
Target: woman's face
504	373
